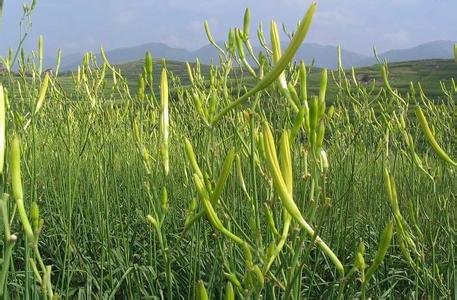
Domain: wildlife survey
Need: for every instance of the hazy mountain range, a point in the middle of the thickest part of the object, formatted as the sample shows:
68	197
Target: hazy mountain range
323	56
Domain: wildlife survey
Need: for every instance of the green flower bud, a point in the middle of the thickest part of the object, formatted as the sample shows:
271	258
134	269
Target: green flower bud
431	138
246	23
313	113
141	88
303	82
16	182
229	292
40	55
226	169
200	292
322	92
189	73
164	123
42	93
35	214
148	63
164	200
384	244
2	129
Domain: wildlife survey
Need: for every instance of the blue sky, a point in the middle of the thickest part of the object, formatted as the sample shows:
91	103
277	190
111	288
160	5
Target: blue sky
358	25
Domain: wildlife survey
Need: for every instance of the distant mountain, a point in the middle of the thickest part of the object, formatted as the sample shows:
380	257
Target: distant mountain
206	54
122	55
327	56
323	56
431	50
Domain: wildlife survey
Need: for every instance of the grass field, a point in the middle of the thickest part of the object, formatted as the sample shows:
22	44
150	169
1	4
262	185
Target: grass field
219	182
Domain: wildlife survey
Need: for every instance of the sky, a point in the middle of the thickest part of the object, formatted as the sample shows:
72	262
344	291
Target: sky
77	26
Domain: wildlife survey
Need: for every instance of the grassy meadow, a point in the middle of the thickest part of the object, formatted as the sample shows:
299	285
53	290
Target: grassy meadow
263	180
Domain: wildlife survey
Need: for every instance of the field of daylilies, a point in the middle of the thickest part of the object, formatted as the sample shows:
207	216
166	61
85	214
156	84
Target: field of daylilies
242	184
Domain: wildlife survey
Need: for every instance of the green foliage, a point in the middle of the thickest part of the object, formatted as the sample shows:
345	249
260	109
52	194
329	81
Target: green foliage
124	180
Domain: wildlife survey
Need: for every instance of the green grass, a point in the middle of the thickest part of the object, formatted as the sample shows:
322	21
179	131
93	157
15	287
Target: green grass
92	158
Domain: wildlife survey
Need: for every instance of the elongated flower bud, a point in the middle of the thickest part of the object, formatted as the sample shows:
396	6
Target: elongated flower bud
354	78
388	86
239	174
189	73
313	113
103	55
278	179
330	111
322	92
204	196
164	200
340	62
232	41
192	159
141	88
246	23
388	185
229	292
259	278
211	39
261	38
361	248
276	48
148	64
270	219
359	259
324	159
239	44
35	214
164	124
42	93
198	105
300	119
285	161
294	96
200	292
303	82
59	59
208	33
152	221
275	41
146	159
16	182
40	55
431	138
212	104
37	223
226	169
2	129
320	136
78	75
15	165
384	244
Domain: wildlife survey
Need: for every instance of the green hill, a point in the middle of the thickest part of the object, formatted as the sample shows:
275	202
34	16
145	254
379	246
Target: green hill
428	72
